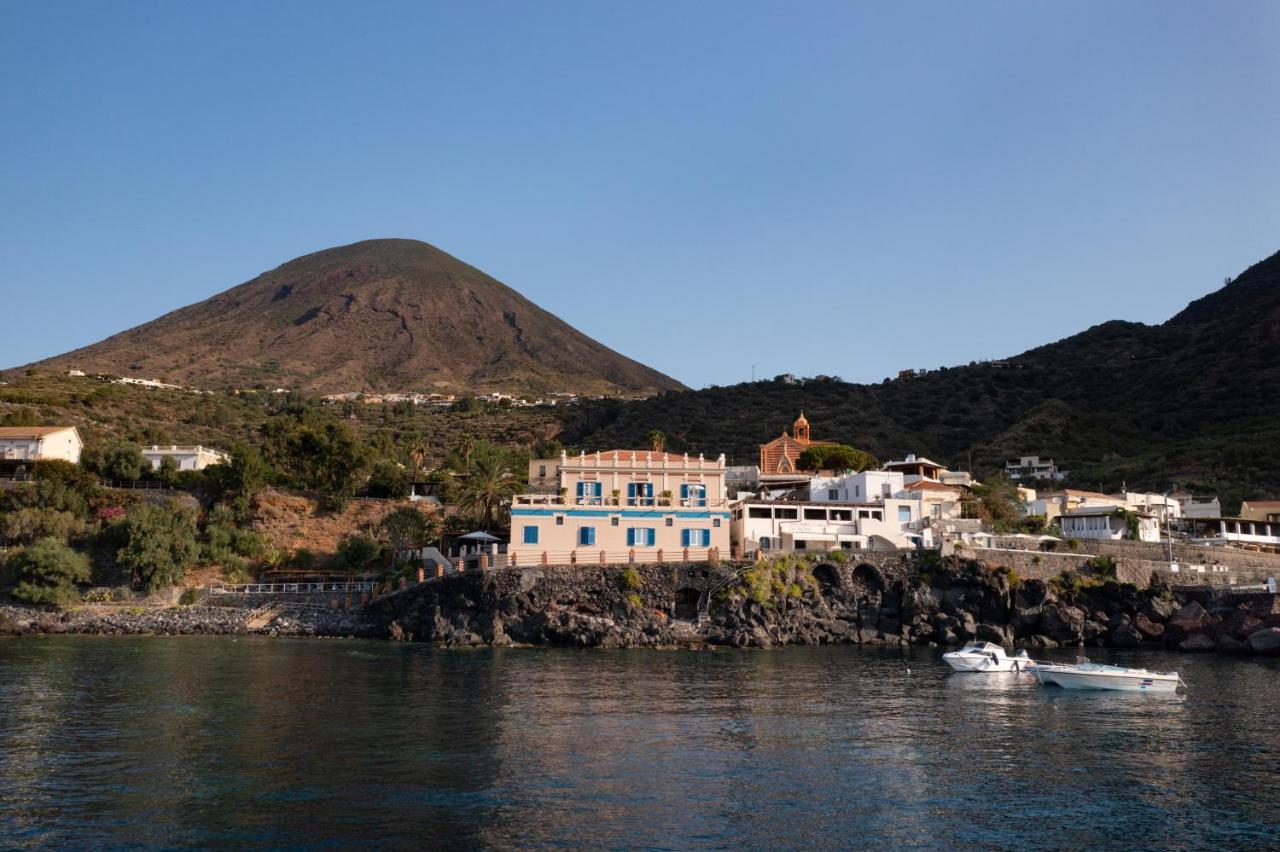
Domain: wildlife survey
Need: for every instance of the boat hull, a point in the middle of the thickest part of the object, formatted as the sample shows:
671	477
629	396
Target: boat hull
1136	682
980	663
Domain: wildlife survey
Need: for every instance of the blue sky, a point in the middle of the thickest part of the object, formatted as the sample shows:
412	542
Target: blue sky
835	188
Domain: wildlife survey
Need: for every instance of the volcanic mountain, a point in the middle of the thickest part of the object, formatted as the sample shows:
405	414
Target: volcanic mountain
378	315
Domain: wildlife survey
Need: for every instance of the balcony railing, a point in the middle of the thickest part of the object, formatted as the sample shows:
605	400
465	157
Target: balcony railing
619	502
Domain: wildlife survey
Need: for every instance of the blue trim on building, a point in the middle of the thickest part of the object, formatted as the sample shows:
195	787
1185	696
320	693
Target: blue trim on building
573	512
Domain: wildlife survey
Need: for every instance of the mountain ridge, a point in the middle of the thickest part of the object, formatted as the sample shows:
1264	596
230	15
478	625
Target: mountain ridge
1193	401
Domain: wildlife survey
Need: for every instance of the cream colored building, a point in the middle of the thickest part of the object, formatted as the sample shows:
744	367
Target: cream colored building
24	444
187	458
629	505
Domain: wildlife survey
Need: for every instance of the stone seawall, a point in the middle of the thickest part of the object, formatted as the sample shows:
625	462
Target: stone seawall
1135	565
796	601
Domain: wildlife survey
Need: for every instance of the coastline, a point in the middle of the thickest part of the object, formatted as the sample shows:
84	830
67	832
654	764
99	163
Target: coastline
703	606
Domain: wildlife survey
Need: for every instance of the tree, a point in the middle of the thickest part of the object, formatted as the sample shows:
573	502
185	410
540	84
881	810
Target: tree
998	504
113	459
467	449
486	489
406	527
657	440
316	453
835	457
388	479
417	455
168	470
29	523
160	544
47	572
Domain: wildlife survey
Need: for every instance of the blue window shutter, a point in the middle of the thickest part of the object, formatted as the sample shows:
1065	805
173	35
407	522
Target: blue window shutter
631	536
684	538
684	492
706	538
652	538
530	535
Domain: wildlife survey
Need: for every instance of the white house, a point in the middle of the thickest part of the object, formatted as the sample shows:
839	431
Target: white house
1165	508
1032	467
785	526
23	444
1198	506
188	458
1106	523
864	487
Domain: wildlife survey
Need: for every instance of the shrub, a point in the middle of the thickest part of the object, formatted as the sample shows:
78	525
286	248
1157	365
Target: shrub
358	551
631	579
633	599
189	597
387	479
47	572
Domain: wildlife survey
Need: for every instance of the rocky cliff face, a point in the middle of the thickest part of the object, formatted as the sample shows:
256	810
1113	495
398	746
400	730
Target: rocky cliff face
795	602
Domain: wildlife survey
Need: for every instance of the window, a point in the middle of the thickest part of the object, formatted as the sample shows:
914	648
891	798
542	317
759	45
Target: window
530	535
757	512
590	493
765	542
641	537
904	514
841	515
815	514
800	544
613	522
639	493
787	514
715	522
857	492
693	494
542	471
695	538
586	536
670	522
559	520
833	493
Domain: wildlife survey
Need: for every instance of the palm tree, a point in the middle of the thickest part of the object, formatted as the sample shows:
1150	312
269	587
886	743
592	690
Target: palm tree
467	449
417	455
658	440
486	489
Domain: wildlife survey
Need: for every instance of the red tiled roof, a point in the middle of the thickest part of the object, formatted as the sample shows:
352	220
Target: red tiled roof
31	431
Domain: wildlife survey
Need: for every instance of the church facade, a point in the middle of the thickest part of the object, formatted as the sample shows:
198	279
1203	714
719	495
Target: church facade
778	457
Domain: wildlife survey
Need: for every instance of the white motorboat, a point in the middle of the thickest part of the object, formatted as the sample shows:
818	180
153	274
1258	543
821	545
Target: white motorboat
1087	675
986	657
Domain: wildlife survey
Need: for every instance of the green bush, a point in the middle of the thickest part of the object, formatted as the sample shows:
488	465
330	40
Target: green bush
189	597
633	599
357	551
160	544
631	579
387	479
48	572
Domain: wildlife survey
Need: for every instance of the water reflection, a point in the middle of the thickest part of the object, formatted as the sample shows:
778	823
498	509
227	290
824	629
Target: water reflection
200	742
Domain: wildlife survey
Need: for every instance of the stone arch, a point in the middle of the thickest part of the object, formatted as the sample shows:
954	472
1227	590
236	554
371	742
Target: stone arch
687	600
828	577
869	576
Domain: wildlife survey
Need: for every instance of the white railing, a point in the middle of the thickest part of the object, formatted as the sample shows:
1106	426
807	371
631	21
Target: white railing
292	588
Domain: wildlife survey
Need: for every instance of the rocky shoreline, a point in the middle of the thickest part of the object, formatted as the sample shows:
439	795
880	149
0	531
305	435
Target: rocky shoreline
806	604
793	602
177	621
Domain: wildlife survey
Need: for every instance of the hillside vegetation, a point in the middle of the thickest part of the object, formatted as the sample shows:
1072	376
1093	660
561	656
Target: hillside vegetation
1194	402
